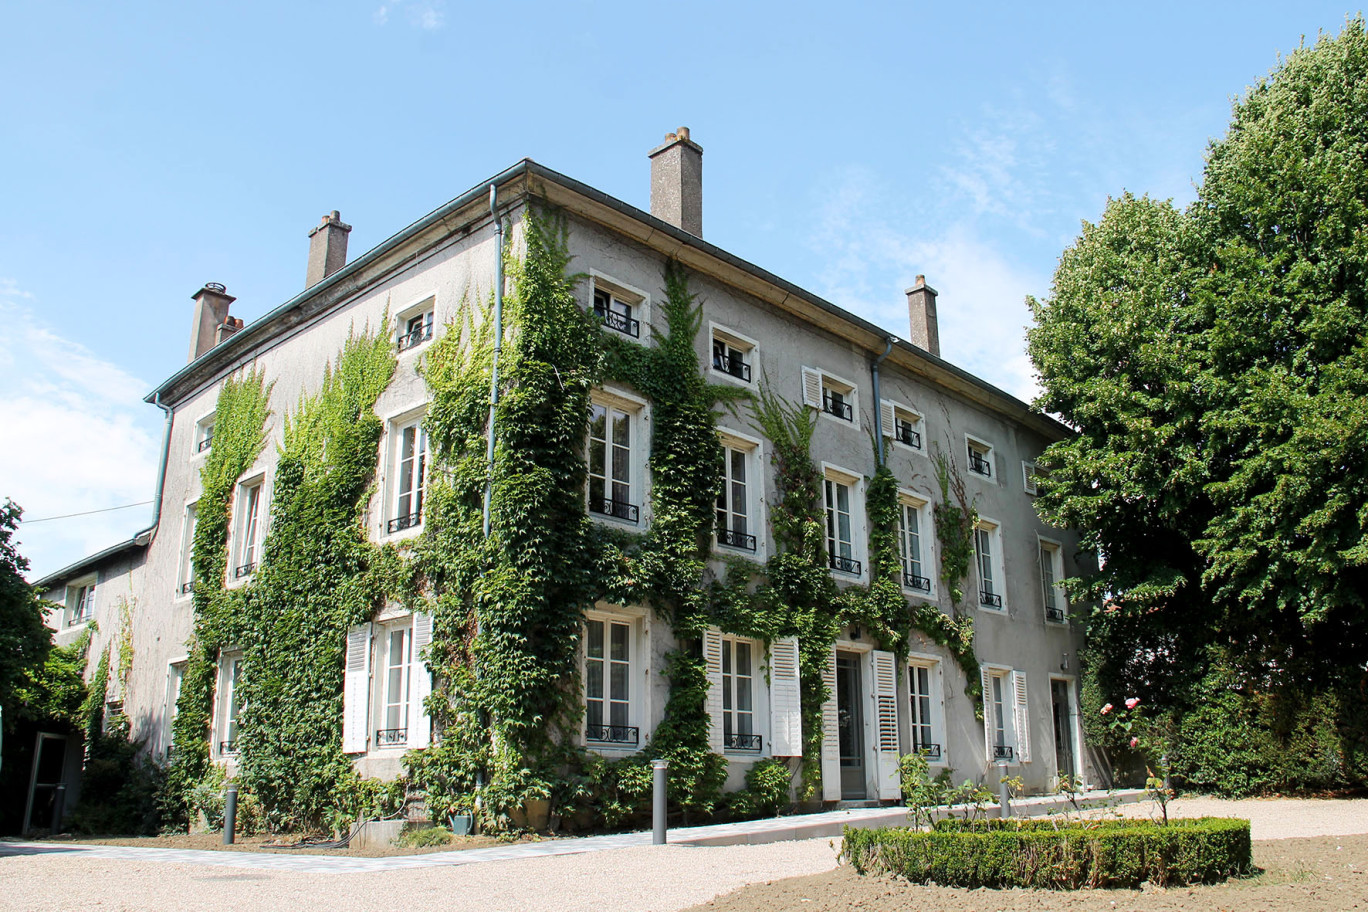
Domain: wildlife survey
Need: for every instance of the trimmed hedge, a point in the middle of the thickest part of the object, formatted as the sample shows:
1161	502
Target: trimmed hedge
1056	855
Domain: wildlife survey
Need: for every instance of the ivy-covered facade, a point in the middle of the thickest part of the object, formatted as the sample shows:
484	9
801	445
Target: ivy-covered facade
699	534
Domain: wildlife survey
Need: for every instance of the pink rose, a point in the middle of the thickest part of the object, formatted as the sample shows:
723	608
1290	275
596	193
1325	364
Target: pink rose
1106	709
1135	742
1132	702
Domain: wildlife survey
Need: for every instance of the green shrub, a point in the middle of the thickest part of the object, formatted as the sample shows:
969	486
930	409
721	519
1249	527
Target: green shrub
767	792
1056	855
423	837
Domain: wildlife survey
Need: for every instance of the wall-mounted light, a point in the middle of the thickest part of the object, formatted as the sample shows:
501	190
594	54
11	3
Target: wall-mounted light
1064	661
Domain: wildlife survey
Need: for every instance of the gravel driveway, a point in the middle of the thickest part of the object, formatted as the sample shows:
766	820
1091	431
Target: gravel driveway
645	879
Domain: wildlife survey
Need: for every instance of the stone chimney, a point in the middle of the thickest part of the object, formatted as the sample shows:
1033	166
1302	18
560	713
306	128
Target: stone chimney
211	313
327	248
921	308
677	182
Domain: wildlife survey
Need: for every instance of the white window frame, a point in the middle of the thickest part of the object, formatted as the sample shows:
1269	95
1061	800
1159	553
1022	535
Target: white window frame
638	669
185	571
975	444
1029	474
227	704
752	451
921	508
995	564
79	600
385	736
175	677
202	441
759	695
394	524
835	475
819	386
416	324
639	435
1052	551
932	704
637	302
893	412
738	346
1005	709
249	529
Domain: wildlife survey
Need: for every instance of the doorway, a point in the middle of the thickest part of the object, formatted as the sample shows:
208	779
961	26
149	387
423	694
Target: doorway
1061	699
850	726
49	765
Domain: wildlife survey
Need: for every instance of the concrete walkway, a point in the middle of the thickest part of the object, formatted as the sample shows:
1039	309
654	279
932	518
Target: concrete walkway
749	832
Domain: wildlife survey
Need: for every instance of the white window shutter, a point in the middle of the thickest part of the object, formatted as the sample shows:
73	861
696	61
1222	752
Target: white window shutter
888	418
831	733
1021	718
712	657
786	710
356	691
420	683
987	680
812	388
1028	480
886	741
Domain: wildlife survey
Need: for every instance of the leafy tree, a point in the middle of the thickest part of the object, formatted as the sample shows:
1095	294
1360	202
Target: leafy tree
24	640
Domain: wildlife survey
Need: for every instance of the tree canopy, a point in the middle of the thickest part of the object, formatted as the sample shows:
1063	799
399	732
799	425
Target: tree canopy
24	640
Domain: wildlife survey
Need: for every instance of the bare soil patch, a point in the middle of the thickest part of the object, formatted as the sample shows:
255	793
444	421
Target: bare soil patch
1317	874
214	842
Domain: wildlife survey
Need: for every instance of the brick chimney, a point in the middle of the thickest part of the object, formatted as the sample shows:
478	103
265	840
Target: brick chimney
327	248
211	315
677	182
921	309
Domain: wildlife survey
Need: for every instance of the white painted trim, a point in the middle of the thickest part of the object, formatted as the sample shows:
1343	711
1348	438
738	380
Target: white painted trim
600	281
750	347
990	455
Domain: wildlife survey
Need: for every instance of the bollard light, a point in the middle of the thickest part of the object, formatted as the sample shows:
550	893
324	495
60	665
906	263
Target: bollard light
660	805
230	815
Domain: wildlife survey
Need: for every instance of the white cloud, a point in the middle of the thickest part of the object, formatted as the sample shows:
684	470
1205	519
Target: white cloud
427	15
77	438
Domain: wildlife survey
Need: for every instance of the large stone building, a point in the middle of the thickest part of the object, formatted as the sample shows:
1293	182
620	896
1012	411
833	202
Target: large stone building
860	381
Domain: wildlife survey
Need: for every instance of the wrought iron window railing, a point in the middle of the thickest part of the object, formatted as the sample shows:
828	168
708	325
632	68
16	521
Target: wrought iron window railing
990	599
391	737
227	747
206	443
245	570
920	583
907	436
415	337
732	364
617	509
620	322
400	523
733	539
979	464
1002	752
1055	615
844	564
612	734
836	405
187	588
736	742
927	749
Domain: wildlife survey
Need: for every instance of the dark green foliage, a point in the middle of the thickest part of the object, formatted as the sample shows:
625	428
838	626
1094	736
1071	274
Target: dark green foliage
55	691
769	785
120	785
1049	854
24	640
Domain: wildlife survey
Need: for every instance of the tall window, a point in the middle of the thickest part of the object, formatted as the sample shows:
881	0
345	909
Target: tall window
738	695
410	473
840	534
394	709
610	463
175	674
910	546
185	584
1049	583
249	522
997	709
608	682
230	704
985	547
923	720
733	502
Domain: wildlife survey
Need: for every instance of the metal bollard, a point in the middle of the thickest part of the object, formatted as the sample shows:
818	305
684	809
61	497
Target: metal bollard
58	800
658	768
1004	798
230	815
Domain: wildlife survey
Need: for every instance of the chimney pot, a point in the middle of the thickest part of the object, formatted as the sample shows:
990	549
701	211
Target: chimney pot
211	312
677	182
921	311
327	248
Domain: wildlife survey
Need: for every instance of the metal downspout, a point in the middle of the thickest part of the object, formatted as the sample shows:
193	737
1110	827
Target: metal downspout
498	348
151	530
878	401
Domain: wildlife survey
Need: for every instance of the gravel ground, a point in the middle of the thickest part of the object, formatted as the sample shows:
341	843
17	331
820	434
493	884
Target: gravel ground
671	878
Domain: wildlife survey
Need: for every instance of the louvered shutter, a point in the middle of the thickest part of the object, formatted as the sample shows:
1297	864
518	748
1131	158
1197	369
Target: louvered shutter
886	742
888	418
1028	473
786	709
831	733
1021	717
420	683
356	691
712	657
812	388
987	680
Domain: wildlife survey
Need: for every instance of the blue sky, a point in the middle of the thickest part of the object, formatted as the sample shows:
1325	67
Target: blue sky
148	148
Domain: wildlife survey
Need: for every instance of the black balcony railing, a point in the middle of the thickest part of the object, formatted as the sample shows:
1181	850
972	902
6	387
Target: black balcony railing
415	337
206	443
1055	615
621	322
1002	752
187	588
742	742
920	583
735	539
844	564
245	570
227	747
400	523
611	734
926	749
907	436
990	599
391	737
732	364
617	509
979	464
836	405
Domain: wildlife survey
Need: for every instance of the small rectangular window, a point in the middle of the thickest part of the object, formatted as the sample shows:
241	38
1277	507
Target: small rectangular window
416	330
980	458
81	604
616	313
204	434
733	356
